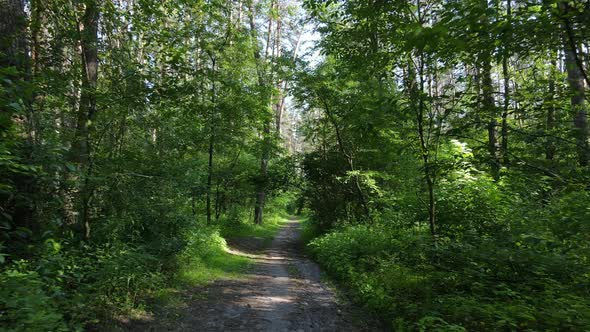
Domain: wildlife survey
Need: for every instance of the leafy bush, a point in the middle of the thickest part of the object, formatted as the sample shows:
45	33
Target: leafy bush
78	285
25	305
469	200
478	283
470	203
205	258
125	276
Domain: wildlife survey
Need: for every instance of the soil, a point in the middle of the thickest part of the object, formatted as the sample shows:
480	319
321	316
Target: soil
283	291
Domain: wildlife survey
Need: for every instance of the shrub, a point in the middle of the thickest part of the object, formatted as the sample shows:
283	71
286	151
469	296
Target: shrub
475	283
25	305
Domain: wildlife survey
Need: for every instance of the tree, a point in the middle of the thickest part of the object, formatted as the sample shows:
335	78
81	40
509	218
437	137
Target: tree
576	78
80	152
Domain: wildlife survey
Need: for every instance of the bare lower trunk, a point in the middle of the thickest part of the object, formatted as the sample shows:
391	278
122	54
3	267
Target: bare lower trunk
550	123
349	157
262	82
80	150
579	106
428	175
12	30
210	177
490	108
506	56
193	201
576	78
262	181
211	144
14	53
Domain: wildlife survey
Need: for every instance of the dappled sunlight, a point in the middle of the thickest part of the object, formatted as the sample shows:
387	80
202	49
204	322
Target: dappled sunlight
282	291
257	256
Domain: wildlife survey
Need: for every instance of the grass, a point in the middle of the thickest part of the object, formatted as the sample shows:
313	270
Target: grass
209	261
218	264
204	260
202	263
266	231
308	230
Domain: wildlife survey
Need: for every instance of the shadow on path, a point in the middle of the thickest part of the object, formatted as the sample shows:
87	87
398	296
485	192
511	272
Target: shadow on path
282	292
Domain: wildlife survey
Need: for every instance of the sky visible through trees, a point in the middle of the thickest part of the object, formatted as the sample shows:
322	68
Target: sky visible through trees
439	149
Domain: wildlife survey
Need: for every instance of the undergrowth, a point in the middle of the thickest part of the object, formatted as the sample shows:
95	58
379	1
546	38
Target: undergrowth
279	210
73	286
205	259
524	278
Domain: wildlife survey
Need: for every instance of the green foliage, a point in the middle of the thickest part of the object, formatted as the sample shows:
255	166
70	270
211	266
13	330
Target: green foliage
88	284
25	305
205	258
105	183
456	115
469	200
476	283
454	120
278	212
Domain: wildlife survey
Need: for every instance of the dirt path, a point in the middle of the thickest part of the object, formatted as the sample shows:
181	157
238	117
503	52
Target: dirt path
283	293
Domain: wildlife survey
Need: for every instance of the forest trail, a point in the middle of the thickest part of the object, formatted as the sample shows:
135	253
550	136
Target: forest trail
282	292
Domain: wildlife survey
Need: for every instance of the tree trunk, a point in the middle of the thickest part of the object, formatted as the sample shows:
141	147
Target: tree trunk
487	97
263	176
193	201
550	123
261	182
489	107
14	53
418	102
211	143
350	160
210	175
281	92
575	78
80	150
505	57
12	33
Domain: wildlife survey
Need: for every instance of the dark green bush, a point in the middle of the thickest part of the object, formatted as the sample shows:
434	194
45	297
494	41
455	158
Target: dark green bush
25	305
477	283
77	285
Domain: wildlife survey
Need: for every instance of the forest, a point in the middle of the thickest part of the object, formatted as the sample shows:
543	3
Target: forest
431	156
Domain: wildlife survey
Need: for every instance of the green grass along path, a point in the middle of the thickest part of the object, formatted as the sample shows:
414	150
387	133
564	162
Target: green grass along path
260	282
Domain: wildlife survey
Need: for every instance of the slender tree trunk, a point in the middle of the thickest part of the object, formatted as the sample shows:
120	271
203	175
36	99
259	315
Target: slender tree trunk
489	107
281	92
211	144
14	53
285	88
576	79
269	34
39	34
12	33
579	110
263	176
504	133
550	123
487	97
350	159
240	9
418	102
80	150
505	73
193	201
217	208
210	175
261	182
